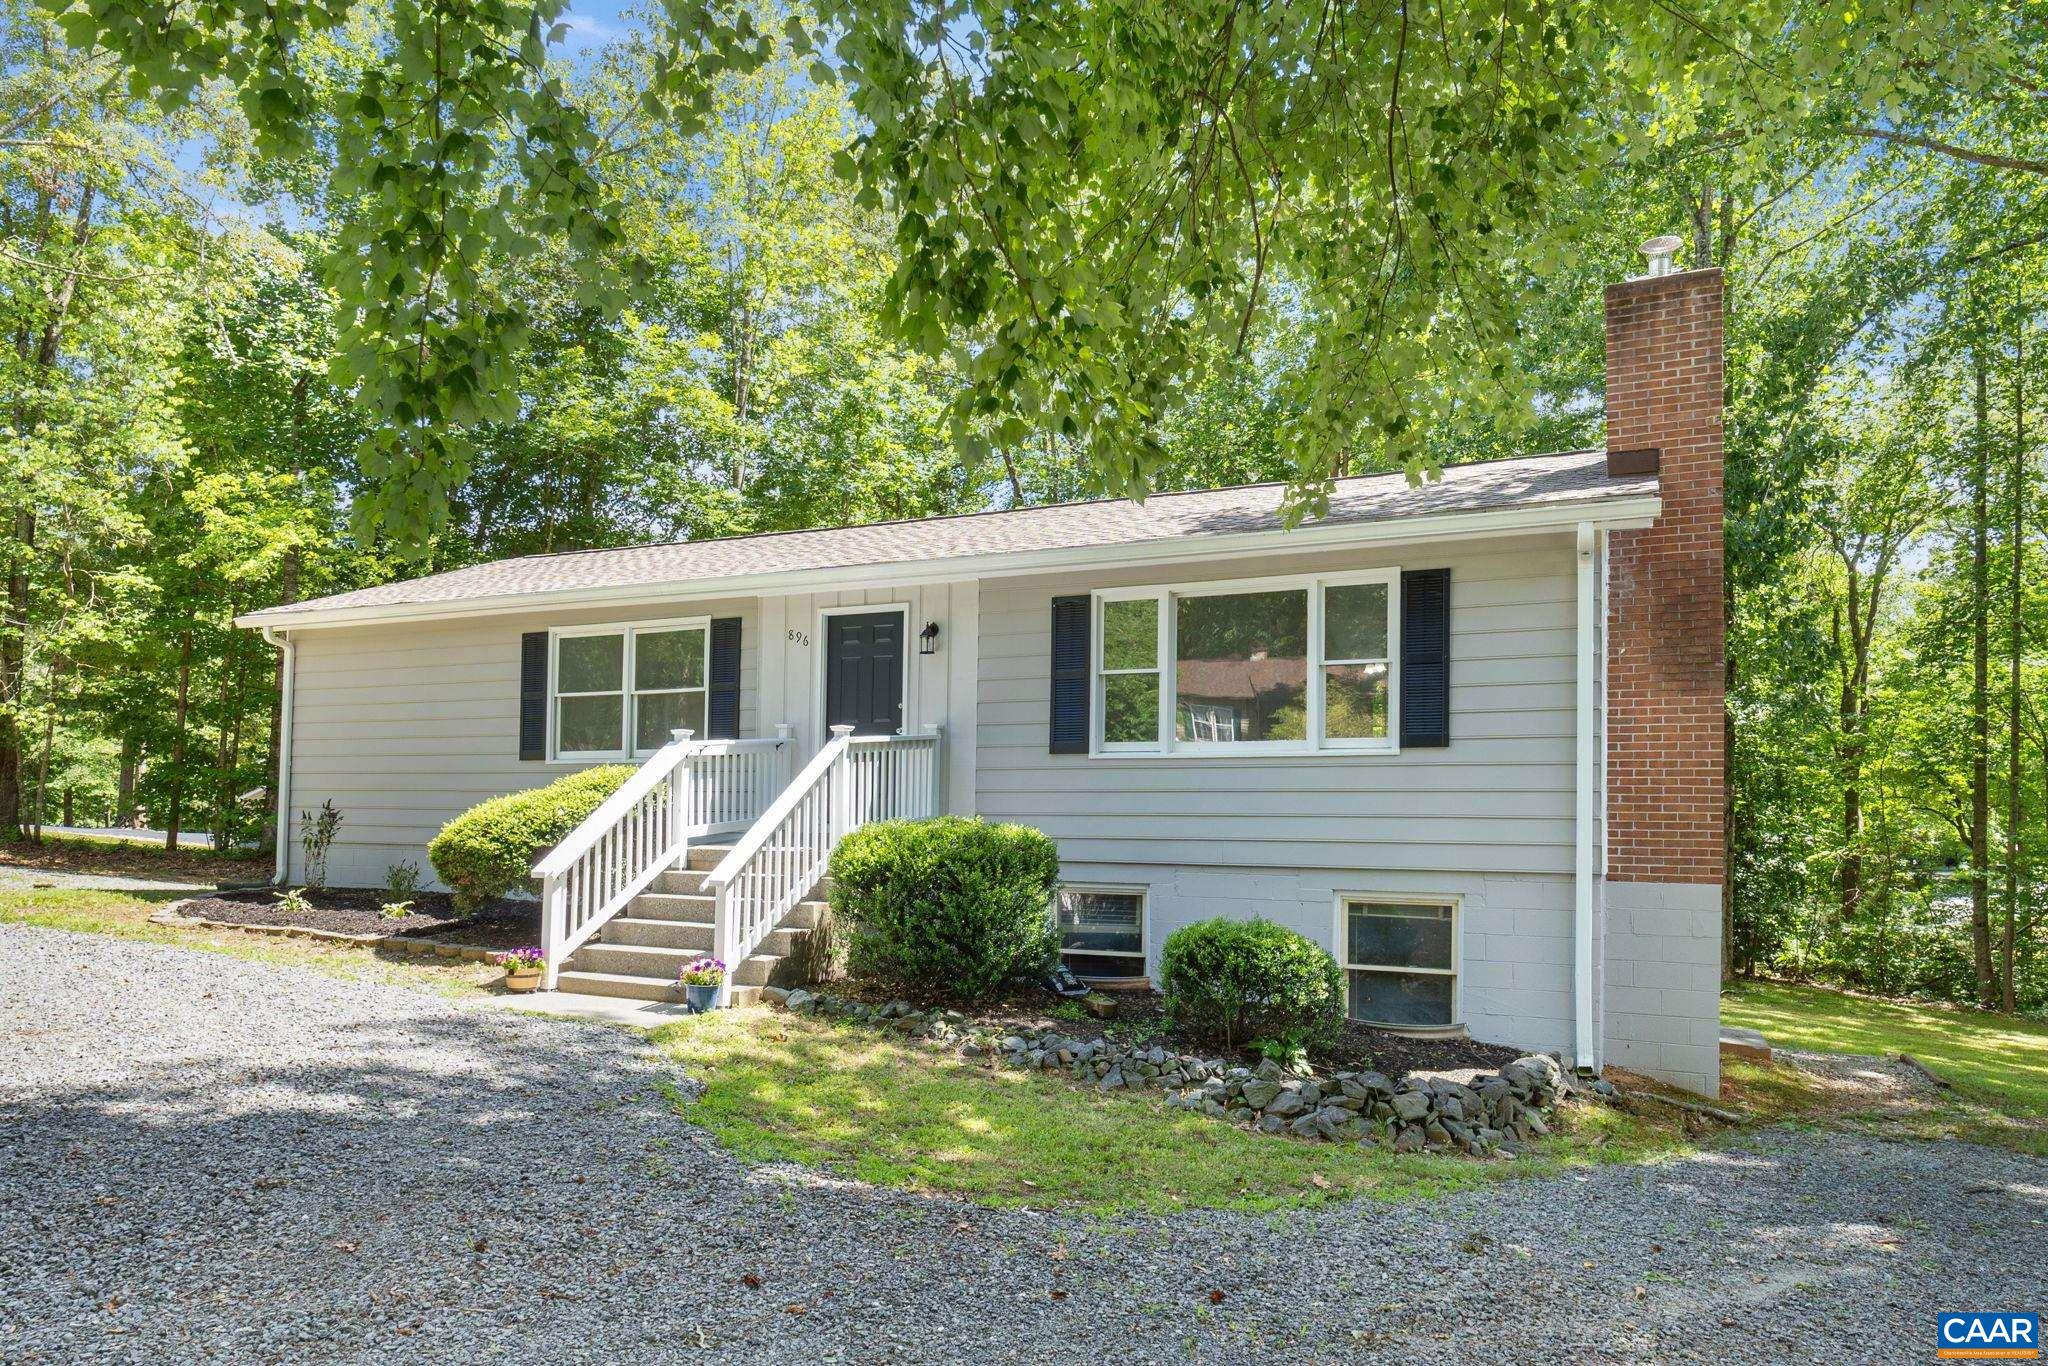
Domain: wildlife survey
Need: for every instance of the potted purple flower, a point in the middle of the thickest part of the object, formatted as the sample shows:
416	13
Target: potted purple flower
522	969
701	978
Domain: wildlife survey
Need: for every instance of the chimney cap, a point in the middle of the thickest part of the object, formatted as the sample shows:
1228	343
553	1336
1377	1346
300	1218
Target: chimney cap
1660	250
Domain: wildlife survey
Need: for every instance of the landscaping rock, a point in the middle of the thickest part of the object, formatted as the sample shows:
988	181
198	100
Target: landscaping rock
1411	1105
1423	1113
1288	1103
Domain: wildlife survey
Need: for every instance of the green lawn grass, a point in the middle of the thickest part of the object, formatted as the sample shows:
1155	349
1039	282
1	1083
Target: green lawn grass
125	915
874	1107
1996	1060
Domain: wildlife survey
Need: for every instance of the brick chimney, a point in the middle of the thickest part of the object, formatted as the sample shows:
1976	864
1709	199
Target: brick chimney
1665	622
1665	841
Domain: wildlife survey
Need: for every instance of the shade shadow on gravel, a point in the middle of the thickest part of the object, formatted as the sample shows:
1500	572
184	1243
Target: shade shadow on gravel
204	1156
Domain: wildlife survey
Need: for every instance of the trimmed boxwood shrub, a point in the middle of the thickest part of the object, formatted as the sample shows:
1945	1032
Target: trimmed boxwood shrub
952	907
489	849
1235	982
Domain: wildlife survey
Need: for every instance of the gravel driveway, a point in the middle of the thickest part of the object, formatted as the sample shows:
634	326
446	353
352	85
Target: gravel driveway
202	1157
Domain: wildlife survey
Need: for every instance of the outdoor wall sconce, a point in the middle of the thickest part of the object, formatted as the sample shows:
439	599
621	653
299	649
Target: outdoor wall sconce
928	639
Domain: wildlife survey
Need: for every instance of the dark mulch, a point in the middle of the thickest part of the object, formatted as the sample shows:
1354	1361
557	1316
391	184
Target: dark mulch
354	910
1141	1015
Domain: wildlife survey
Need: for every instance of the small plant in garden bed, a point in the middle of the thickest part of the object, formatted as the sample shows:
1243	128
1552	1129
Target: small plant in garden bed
402	880
394	910
317	834
293	902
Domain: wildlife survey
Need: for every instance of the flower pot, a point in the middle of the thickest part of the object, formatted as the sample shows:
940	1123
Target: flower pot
524	979
701	999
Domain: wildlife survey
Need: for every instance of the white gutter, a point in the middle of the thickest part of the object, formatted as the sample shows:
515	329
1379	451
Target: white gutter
1585	1045
284	750
1616	513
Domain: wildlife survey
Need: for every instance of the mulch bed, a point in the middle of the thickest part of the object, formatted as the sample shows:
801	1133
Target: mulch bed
1140	1012
354	910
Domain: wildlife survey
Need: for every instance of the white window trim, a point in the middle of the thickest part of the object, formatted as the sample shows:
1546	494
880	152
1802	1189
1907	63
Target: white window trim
1341	950
629	630
1317	744
1144	895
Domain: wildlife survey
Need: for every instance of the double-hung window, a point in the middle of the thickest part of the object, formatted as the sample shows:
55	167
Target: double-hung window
1301	665
620	690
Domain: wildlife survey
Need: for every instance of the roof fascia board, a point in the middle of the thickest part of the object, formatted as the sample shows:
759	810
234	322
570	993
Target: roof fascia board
1613	514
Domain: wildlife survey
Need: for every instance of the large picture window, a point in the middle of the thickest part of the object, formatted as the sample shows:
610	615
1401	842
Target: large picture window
620	690
1291	665
1400	961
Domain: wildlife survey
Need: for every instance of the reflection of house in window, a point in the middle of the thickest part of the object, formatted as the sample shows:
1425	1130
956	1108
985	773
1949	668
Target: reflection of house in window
1207	721
1260	698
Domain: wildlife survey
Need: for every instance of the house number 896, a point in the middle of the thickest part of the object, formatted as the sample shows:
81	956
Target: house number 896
799	637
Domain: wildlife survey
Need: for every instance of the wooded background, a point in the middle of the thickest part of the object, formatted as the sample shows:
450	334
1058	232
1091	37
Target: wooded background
187	438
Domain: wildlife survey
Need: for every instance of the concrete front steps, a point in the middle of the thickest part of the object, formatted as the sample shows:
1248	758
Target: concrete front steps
638	952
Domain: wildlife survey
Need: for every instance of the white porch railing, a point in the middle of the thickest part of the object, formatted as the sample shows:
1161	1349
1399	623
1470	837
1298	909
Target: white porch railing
852	781
689	789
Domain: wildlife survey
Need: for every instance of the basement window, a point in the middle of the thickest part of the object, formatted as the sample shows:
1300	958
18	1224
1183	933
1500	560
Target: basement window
1102	931
1400	960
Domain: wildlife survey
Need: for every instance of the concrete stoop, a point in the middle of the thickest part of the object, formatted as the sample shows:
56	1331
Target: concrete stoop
638	953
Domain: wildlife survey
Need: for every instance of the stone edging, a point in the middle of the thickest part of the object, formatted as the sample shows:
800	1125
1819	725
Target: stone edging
1496	1115
425	948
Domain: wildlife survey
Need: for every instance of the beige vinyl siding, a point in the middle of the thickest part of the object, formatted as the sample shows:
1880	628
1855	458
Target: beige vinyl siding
1487	820
406	726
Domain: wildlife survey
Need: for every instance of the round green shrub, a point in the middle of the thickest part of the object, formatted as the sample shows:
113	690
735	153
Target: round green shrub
1234	982
491	848
950	907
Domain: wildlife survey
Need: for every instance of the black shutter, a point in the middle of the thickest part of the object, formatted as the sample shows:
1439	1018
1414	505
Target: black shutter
533	695
722	709
1425	658
1071	628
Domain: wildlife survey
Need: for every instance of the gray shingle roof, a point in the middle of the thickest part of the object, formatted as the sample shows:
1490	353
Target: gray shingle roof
1570	477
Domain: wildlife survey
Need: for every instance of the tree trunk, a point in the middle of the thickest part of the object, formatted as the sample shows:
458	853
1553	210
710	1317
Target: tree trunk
42	811
70	807
177	814
1980	701
13	649
2015	640
124	791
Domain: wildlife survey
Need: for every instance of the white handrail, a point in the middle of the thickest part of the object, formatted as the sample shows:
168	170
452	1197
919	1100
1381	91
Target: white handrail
687	789
851	781
651	774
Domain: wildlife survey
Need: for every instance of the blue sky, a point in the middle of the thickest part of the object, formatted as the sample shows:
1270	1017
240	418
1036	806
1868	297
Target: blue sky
593	23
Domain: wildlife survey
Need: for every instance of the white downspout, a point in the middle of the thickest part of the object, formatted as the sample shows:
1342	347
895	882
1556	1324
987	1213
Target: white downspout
1587	729
284	752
